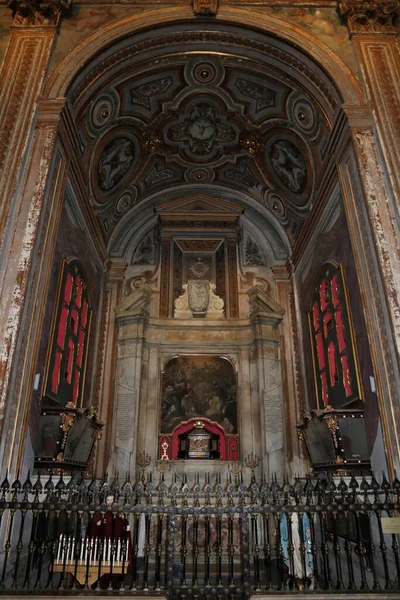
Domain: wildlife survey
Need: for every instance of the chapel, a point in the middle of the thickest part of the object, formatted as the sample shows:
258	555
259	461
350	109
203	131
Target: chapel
199	237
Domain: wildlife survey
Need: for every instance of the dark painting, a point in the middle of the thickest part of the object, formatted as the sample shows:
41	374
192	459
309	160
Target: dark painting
198	386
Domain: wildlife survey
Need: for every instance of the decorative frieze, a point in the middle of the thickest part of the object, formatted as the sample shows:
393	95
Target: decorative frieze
366	17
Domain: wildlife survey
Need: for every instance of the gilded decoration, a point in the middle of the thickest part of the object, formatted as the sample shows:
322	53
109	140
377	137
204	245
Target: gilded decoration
369	17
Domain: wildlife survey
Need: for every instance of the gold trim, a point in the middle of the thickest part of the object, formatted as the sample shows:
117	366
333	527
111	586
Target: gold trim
87	343
53	327
314	362
352	334
359	392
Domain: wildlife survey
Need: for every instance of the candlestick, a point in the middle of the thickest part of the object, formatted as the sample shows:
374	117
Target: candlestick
60	542
118	550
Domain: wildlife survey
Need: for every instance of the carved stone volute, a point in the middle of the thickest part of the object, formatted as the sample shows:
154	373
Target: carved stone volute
39	12
374	16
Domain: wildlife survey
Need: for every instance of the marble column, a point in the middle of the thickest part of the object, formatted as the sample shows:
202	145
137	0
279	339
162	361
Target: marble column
27	165
266	317
374	242
131	315
292	375
107	406
374	222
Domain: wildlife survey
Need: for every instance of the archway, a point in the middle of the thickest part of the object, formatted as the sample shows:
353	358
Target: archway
205	126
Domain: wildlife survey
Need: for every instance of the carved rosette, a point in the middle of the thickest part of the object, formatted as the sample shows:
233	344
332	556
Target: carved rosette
39	12
369	17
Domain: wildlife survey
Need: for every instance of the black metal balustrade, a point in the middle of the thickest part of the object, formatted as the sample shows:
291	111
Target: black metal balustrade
205	539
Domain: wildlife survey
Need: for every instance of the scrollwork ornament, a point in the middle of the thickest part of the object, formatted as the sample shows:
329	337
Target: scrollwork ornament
374	16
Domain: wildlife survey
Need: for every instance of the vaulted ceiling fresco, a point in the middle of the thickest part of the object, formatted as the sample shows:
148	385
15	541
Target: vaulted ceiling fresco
203	111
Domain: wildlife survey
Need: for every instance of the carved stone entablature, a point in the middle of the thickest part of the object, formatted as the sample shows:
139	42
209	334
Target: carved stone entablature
264	307
205	8
135	305
369	17
39	12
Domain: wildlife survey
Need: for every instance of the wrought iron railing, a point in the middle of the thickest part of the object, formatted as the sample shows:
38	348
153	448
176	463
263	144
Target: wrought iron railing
206	539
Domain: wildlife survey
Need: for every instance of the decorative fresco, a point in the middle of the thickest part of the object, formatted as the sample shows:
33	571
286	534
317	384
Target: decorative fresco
199	386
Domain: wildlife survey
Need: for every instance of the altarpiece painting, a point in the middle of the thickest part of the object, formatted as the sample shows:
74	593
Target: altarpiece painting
200	386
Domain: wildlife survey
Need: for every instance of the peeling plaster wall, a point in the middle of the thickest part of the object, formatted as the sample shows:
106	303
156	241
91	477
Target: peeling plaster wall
334	244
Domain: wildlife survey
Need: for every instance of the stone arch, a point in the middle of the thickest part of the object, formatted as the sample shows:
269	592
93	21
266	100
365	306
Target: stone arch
63	75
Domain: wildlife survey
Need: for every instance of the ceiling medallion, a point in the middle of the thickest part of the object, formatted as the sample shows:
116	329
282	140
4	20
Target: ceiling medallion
200	175
202	132
124	203
276	206
303	116
114	162
204	73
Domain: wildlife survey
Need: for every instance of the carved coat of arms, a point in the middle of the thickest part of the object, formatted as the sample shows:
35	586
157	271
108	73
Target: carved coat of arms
198	294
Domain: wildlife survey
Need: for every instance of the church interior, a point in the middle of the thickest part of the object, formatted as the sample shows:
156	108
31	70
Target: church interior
199	240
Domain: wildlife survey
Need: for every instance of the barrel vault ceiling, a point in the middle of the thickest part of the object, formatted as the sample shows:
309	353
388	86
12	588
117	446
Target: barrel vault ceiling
171	114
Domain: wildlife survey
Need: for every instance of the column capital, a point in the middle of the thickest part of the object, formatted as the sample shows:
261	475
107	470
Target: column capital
38	13
373	16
